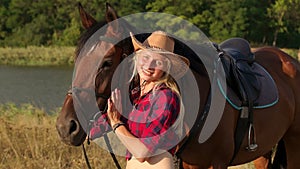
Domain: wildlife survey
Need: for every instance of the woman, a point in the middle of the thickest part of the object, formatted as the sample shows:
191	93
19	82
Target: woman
154	126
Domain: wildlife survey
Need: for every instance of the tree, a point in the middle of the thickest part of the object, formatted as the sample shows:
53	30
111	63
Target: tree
257	29
194	12
57	22
229	19
284	14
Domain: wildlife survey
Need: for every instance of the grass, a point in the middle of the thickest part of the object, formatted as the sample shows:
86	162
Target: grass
52	56
29	140
37	56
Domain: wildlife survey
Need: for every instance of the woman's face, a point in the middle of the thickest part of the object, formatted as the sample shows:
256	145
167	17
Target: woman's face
150	65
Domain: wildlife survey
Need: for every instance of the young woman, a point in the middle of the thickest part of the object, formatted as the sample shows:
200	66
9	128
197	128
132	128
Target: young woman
153	128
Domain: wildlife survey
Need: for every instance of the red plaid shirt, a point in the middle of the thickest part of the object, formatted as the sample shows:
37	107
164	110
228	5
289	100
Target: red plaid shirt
150	120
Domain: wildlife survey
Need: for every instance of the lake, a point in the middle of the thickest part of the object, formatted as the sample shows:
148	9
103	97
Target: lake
43	87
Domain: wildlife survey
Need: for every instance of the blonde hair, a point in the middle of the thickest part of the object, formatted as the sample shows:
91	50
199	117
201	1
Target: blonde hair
166	79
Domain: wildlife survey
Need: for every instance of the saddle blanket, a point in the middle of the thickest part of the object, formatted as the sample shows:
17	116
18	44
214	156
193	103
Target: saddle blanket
268	95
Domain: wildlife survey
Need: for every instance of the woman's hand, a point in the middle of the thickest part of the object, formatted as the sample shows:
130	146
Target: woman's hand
114	110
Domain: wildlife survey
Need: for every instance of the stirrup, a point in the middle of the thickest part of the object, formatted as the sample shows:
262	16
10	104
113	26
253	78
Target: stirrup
252	146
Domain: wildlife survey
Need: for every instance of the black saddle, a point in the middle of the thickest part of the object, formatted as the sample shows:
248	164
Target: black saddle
248	86
247	81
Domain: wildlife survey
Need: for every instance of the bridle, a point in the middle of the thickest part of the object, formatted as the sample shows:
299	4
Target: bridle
95	116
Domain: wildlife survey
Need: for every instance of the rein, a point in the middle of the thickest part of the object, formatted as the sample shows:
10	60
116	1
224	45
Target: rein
201	118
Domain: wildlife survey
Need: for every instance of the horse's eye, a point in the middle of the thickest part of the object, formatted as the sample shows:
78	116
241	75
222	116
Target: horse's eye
107	64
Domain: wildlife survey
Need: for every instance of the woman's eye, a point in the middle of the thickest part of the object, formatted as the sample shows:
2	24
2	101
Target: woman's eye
159	63
146	57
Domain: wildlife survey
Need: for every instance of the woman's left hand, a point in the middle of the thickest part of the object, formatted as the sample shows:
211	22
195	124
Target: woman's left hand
114	110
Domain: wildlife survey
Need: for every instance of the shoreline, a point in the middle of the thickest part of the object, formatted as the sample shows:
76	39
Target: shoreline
56	55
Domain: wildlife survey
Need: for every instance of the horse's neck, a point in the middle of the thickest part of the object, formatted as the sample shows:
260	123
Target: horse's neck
203	87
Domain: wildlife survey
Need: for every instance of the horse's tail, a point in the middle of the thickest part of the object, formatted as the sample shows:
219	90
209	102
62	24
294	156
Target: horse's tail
280	161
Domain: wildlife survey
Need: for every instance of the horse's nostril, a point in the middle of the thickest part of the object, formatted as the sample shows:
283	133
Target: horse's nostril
73	126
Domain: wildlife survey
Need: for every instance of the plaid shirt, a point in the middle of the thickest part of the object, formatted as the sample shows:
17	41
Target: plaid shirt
150	120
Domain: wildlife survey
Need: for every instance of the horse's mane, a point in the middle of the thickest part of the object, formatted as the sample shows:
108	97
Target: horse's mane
181	48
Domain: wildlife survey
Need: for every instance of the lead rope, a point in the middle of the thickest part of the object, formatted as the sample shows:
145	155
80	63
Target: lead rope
110	150
86	157
105	139
113	41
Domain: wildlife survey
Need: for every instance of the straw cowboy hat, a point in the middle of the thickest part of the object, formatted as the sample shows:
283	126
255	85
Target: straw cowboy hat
161	43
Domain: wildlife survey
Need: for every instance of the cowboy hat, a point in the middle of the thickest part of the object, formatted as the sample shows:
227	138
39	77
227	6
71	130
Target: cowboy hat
163	44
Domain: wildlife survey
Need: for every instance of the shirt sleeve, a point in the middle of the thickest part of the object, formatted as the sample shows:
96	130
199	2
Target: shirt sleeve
100	127
159	133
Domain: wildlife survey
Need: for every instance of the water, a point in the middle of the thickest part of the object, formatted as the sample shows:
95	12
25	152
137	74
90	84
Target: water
44	87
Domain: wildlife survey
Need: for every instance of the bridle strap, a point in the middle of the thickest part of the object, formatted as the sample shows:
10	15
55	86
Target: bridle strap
111	151
200	120
105	136
107	142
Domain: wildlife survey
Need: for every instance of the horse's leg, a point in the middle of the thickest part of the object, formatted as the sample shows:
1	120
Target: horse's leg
292	151
279	161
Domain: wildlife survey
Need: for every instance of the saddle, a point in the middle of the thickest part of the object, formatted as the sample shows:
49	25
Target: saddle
247	81
248	86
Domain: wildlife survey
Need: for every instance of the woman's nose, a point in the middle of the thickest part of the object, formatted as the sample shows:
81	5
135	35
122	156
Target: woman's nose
150	64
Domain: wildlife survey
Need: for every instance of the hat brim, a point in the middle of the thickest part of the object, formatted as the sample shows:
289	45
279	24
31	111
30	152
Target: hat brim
179	64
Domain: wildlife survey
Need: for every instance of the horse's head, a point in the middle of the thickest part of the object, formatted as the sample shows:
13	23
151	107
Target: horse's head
67	124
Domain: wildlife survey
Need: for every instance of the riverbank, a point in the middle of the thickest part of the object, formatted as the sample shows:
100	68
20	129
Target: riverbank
37	56
53	56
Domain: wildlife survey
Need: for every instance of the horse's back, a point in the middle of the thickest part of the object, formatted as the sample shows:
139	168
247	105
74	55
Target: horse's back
285	71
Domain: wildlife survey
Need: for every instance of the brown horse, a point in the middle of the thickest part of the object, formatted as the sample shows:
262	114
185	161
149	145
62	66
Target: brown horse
278	122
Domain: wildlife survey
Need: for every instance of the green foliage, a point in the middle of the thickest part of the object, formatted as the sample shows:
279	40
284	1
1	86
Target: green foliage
11	110
196	12
285	21
68	36
57	22
229	19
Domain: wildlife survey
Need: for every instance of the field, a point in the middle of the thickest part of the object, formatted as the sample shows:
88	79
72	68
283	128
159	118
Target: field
29	140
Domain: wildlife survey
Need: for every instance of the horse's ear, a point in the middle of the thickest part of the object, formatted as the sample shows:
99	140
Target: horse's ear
111	17
110	14
86	19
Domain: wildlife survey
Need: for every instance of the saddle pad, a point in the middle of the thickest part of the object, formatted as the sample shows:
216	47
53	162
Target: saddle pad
267	97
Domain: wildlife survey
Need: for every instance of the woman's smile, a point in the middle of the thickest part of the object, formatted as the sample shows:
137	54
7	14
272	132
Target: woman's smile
147	72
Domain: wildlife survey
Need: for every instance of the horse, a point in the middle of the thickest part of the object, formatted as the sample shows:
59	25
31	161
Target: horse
278	123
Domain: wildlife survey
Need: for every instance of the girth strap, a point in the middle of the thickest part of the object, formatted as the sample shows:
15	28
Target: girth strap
201	118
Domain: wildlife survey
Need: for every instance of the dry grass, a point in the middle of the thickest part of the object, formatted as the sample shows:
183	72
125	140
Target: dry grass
29	140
